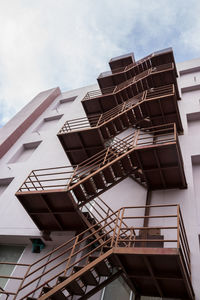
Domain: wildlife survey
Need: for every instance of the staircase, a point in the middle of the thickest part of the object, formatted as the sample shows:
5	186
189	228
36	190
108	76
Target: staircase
83	137
100	101
113	247
122	71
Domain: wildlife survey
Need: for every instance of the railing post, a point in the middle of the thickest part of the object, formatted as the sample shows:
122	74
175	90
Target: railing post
178	226
114	231
119	227
21	284
175	133
73	174
135	138
71	255
99	120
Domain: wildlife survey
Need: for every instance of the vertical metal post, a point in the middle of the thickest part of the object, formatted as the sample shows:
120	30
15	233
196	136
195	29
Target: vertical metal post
119	227
178	226
71	255
114	231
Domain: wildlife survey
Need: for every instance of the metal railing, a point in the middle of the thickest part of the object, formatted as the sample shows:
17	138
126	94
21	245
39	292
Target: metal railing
128	67
99	120
139	63
121	229
52	178
113	89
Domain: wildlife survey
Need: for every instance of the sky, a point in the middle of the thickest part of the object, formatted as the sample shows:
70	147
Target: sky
68	43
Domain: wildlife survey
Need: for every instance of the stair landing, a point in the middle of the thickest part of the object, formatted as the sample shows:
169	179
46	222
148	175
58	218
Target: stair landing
158	272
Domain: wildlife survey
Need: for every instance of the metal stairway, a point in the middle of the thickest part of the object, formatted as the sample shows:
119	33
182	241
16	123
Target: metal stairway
150	263
100	101
123	68
83	137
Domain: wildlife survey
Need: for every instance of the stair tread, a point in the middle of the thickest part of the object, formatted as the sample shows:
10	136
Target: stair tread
73	287
98	180
108	175
89	187
87	278
101	268
117	169
79	193
57	296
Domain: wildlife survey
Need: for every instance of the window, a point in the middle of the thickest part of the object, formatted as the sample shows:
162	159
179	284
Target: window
118	289
9	253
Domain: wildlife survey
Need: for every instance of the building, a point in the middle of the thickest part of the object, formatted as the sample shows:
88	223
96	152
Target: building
99	187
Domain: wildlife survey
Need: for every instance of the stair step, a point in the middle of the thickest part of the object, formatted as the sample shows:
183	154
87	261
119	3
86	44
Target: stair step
125	120
111	128
144	84
129	91
131	117
104	132
108	175
117	169
126	163
118	124
134	89
89	187
138	114
57	296
99	182
101	268
88	216
87	278
143	109
79	194
134	159
73	287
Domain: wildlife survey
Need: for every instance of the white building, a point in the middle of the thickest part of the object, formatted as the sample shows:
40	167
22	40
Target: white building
52	206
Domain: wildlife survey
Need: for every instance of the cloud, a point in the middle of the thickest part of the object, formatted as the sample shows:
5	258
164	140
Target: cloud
68	43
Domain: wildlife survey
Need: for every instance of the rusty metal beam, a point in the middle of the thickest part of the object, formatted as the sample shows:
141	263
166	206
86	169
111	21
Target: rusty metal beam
150	269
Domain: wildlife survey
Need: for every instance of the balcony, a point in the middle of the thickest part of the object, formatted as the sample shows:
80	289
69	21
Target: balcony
100	101
83	137
52	197
154	260
123	72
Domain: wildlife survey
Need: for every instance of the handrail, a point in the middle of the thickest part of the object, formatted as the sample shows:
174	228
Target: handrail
120	234
100	120
38	181
115	89
137	64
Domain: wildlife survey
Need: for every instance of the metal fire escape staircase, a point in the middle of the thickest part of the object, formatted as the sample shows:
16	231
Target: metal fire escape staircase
116	244
81	138
154	260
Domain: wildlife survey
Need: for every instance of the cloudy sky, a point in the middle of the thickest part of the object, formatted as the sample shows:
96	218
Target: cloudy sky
67	43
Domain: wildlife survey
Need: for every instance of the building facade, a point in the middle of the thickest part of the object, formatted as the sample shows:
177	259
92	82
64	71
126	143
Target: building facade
99	187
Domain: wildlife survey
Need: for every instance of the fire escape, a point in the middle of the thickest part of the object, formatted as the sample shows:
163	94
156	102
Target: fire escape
146	245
